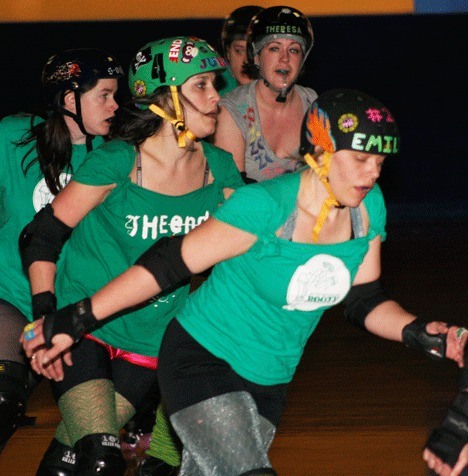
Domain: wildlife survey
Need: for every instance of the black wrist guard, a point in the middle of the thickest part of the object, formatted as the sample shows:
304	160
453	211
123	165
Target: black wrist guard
415	336
43	303
447	441
74	320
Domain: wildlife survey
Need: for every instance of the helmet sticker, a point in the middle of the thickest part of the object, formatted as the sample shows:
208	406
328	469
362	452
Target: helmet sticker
158	70
139	87
374	115
174	50
142	57
388	115
319	122
347	123
64	72
189	52
213	62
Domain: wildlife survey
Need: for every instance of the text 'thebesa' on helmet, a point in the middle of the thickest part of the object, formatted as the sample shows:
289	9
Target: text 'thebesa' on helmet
74	70
236	24
170	62
278	22
349	119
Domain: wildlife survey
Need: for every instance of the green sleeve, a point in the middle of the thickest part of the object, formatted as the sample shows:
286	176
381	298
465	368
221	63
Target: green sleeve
110	163
222	166
239	212
377	211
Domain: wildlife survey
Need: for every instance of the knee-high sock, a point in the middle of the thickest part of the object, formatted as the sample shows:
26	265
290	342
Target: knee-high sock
164	443
124	410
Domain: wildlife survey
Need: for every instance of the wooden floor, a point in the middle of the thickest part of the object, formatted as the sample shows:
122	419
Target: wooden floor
358	405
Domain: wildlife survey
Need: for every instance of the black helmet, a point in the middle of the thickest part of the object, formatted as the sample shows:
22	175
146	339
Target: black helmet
345	119
236	24
72	70
349	119
278	22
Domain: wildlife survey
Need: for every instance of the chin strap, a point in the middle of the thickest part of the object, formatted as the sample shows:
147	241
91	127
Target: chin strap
178	121
283	92
331	201
78	118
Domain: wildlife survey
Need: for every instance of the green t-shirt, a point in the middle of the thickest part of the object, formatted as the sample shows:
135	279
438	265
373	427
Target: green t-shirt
257	310
21	197
113	235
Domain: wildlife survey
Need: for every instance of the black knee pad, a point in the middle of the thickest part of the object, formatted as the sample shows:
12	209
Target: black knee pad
58	460
99	454
13	387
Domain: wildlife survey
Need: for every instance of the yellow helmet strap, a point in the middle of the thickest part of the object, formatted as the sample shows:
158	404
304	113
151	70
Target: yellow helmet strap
178	121
331	201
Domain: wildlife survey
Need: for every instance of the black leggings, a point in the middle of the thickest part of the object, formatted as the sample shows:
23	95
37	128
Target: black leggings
189	374
12	322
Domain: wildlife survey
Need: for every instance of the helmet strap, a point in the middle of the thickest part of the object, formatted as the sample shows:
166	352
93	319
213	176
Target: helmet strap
282	93
331	201
78	118
178	121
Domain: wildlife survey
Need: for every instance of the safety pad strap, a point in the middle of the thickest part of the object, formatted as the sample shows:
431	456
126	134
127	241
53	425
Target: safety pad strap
416	336
74	320
361	300
447	441
43	303
445	445
43	238
224	432
164	261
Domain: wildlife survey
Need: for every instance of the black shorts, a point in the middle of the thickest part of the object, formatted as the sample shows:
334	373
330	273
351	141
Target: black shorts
92	360
189	374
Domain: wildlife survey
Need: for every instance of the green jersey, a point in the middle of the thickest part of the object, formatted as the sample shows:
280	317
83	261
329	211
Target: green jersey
114	234
21	197
257	310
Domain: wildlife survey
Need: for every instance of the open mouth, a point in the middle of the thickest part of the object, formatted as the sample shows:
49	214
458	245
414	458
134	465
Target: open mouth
283	72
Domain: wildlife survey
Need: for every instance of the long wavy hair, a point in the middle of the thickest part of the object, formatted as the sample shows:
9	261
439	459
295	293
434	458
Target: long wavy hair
51	144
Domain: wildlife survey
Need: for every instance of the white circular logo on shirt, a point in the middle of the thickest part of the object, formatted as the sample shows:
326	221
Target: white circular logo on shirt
42	195
323	281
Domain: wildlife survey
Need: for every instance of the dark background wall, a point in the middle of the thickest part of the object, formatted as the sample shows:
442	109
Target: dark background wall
417	65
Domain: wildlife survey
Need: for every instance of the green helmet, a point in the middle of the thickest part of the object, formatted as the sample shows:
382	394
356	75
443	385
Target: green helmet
170	62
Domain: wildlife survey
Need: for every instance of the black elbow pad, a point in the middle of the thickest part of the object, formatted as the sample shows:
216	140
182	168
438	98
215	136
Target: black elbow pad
361	300
43	238
164	261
